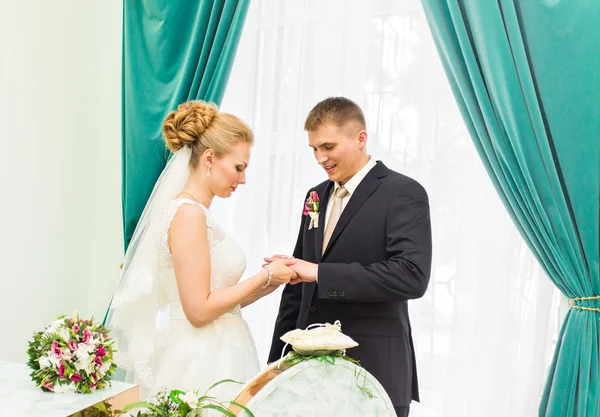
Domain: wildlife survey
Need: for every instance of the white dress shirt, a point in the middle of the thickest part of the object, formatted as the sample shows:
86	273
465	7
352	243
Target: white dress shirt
351	186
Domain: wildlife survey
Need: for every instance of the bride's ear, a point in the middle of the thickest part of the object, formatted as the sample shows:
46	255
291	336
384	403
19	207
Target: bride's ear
208	157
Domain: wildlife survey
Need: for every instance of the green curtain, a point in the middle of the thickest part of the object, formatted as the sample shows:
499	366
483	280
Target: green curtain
526	76
173	51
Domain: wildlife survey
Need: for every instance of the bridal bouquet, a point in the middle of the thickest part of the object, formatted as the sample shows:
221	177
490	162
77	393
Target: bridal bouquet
178	403
72	355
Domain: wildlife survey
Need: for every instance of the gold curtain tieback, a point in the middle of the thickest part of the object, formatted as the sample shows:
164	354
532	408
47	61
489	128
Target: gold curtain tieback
572	304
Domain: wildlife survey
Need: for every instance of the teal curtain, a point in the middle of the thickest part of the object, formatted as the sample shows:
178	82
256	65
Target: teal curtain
173	51
526	76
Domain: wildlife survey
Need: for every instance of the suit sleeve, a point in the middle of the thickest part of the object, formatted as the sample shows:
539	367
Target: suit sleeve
289	307
405	274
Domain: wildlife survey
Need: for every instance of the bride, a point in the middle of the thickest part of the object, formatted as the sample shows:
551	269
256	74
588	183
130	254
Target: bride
176	311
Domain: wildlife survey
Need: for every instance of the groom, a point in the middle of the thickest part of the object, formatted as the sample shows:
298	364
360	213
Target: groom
367	253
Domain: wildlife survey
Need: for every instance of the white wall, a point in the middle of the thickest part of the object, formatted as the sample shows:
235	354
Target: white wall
60	246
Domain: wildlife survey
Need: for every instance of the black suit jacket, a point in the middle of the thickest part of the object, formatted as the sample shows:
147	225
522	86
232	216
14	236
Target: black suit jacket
378	257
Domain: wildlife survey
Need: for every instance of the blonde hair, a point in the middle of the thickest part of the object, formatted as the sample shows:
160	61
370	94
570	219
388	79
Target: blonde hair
201	126
336	110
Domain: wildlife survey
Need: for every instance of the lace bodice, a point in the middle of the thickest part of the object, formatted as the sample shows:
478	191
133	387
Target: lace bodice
227	261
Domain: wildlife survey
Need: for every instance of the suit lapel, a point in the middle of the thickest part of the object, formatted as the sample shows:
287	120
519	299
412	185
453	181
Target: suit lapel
364	190
324	196
308	288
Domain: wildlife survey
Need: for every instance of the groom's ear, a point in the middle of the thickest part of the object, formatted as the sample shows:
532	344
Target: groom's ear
362	138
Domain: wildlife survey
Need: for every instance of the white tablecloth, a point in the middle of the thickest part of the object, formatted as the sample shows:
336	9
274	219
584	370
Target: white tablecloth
19	397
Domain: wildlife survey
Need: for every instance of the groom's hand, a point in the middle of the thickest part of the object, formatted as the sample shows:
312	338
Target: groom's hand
275	257
306	271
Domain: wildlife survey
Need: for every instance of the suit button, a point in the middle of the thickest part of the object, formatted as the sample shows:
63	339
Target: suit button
330	293
312	309
342	294
335	294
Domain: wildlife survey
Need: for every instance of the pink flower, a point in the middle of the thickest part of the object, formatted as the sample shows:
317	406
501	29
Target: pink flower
76	378
101	351
98	361
61	370
56	350
87	335
76	328
93	386
105	336
48	385
311	205
73	346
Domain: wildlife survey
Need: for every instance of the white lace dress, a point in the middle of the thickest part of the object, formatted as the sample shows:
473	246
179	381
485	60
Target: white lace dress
192	358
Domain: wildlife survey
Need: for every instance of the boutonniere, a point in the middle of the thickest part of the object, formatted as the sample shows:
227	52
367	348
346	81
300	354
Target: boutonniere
311	209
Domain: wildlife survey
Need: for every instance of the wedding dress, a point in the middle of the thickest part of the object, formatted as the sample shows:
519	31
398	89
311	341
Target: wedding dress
157	346
191	358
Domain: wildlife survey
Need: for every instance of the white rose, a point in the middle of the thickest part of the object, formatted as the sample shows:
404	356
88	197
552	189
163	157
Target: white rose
82	352
83	365
104	368
54	326
191	399
64	333
89	347
50	330
82	355
54	360
45	362
58	323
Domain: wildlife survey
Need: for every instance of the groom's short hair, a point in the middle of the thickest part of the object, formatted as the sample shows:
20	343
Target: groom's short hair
336	110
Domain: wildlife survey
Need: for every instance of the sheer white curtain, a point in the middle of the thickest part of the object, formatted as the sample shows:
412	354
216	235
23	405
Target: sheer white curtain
483	331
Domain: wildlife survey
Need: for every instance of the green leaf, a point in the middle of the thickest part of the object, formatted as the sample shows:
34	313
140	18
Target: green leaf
205	398
246	409
142	404
327	358
219	408
222	382
103	406
175	396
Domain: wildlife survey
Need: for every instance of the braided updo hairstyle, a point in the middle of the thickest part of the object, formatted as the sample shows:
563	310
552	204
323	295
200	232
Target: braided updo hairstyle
201	126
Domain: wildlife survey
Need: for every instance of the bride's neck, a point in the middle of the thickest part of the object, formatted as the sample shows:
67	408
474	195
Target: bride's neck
199	190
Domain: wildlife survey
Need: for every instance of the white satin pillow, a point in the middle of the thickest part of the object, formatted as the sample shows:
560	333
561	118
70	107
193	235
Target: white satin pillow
326	337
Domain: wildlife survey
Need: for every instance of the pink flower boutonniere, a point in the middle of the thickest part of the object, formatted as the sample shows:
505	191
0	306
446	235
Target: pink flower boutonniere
311	209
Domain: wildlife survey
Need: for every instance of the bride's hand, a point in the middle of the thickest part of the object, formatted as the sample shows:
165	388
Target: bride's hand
281	271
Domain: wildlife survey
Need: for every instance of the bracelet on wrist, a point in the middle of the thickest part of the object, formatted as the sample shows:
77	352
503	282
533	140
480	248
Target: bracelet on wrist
270	271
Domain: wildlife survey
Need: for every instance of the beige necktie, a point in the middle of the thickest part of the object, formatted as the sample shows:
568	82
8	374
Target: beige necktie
334	216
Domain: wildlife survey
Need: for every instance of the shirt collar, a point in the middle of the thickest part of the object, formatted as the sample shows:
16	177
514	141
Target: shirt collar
353	182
